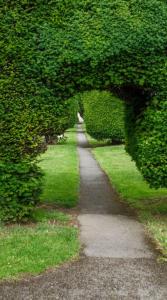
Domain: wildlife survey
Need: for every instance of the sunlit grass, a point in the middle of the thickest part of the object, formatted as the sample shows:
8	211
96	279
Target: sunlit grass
125	176
32	249
61	167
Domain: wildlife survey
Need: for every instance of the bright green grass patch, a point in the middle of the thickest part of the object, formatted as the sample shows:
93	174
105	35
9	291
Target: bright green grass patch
61	167
30	250
151	204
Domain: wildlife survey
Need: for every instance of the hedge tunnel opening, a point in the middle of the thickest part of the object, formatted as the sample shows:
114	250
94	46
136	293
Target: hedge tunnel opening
52	50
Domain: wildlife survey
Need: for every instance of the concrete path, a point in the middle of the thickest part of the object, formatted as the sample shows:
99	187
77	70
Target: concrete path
96	193
118	261
113	236
107	230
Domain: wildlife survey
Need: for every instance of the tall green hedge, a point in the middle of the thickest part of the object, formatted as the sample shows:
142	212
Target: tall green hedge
72	112
104	116
51	50
148	139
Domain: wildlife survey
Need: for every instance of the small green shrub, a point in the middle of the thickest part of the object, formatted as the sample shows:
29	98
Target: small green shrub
20	187
104	116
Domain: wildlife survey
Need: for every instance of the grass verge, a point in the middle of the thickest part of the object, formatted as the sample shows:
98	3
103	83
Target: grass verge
150	204
33	248
61	167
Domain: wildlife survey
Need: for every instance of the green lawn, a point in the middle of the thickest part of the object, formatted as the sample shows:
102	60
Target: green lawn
61	168
150	204
30	249
51	238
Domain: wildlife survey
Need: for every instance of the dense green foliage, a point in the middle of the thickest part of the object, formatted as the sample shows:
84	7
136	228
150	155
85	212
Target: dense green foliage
72	112
20	187
148	140
79	98
104	116
52	49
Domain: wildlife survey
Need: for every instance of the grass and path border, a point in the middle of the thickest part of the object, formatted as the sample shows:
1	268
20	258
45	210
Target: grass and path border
149	204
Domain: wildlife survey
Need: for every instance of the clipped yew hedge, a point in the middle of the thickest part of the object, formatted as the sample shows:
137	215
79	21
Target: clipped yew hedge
104	116
51	50
72	112
148	139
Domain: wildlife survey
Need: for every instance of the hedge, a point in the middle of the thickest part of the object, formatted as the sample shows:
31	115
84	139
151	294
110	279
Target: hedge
104	116
72	112
148	140
51	50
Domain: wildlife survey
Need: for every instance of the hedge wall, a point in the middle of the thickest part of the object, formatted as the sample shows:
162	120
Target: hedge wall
72	112
51	50
104	116
148	139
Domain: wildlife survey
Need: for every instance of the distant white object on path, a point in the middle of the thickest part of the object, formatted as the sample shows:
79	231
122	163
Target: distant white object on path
80	119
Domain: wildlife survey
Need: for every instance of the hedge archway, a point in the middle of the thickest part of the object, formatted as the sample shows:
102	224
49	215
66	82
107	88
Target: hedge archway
51	50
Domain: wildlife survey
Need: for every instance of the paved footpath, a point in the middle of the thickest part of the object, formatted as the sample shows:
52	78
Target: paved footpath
118	262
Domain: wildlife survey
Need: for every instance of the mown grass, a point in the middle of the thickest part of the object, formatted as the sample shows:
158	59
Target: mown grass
150	204
34	248
50	214
50	238
61	167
